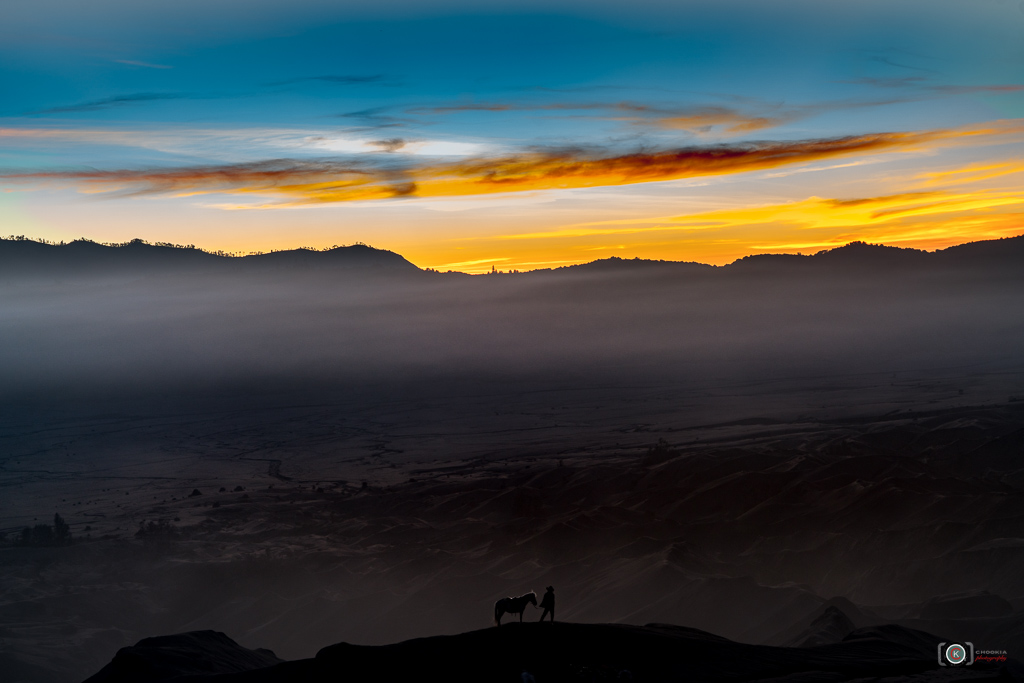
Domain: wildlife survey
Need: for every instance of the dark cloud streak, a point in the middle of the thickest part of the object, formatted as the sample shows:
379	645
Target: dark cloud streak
391	145
108	102
752	116
694	118
927	90
375	118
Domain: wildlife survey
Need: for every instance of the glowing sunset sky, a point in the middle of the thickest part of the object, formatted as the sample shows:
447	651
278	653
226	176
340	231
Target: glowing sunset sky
467	135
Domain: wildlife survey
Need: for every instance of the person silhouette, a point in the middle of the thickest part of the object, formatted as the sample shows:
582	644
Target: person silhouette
548	603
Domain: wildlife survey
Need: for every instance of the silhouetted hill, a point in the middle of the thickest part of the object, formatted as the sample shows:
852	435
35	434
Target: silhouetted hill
1006	251
616	264
26	258
994	254
20	257
1003	255
358	256
831	626
198	653
553	652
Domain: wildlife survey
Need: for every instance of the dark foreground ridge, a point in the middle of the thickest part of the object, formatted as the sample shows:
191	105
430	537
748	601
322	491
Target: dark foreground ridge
553	652
197	653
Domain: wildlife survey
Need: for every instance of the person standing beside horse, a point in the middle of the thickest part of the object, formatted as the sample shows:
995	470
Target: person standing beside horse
548	604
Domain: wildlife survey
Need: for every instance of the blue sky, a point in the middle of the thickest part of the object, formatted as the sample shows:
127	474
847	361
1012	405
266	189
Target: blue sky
418	90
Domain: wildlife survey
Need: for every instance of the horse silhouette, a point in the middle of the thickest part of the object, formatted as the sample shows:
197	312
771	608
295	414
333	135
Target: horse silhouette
513	606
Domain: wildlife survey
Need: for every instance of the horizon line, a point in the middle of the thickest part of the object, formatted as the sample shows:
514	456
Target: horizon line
359	243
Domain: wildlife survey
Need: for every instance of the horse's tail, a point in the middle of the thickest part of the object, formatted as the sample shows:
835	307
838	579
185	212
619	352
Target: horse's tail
497	613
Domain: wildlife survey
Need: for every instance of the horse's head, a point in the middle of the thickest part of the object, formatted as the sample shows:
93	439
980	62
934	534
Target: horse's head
531	598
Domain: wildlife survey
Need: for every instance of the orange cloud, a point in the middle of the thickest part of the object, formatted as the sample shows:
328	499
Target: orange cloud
295	182
813	212
973	173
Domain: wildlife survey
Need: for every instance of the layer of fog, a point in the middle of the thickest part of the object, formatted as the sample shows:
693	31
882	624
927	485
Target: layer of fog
159	333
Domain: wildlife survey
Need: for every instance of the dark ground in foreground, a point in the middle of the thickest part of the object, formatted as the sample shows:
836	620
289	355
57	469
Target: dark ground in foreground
761	530
562	652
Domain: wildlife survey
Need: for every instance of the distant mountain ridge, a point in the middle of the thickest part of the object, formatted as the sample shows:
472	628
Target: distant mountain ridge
26	257
995	252
1007	251
23	257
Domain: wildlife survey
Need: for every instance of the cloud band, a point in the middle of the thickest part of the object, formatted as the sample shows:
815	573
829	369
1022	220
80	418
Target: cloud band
302	182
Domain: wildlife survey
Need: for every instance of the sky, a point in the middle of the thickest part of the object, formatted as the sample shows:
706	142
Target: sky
514	135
